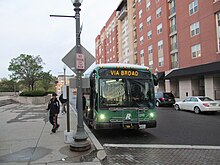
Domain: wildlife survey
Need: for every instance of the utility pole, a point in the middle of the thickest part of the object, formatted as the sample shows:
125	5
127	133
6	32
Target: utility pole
80	142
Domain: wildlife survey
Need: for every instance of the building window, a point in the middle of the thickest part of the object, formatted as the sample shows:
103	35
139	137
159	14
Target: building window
149	20
196	51
174	60
193	7
159	28
157	1
161	61
141	40
172	7
141	26
150	49
149	35
148	5
218	29
158	12
139	1
142	53
160	53
194	29
174	45
140	14
173	24
150	60
150	56
160	45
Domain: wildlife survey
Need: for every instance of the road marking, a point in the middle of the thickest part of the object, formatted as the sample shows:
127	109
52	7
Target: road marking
159	146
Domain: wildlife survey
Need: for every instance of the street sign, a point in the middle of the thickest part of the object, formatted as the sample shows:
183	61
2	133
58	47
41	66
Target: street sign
78	61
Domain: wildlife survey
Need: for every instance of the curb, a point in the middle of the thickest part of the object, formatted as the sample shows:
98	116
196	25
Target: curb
101	154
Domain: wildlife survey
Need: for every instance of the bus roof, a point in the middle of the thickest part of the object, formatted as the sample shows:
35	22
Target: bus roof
112	65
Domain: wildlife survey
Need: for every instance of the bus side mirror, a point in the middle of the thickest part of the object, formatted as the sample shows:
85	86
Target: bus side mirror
155	79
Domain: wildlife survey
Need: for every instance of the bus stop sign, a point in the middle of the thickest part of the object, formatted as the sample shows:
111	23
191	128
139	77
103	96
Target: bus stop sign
78	61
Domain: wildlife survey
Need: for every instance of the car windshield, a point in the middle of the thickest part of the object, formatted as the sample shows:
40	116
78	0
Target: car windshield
205	99
126	93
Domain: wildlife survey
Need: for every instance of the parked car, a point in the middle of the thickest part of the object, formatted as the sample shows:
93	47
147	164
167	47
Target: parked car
198	104
164	98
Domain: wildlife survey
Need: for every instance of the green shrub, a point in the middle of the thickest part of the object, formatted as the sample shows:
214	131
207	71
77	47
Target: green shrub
33	93
50	92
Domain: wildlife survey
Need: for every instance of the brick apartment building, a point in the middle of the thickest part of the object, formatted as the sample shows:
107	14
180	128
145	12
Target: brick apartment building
178	39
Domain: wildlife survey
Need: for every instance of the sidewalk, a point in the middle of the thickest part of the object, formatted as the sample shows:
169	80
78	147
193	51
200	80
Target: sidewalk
25	138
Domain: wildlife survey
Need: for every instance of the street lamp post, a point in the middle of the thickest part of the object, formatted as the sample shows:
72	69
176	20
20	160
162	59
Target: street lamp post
64	82
80	142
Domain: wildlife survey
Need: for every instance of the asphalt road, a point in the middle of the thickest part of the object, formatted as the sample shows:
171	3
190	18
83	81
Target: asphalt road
174	127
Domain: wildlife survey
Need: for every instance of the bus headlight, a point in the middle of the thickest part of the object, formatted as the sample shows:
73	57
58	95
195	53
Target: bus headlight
151	114
102	117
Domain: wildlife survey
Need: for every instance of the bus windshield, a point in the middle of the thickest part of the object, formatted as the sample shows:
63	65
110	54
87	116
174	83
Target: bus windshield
126	92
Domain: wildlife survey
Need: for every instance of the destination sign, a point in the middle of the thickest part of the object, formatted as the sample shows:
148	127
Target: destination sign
124	73
118	73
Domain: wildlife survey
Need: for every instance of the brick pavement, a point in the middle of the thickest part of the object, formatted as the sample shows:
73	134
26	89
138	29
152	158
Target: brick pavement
161	156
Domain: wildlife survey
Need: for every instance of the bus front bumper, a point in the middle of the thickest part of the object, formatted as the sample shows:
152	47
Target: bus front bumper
127	125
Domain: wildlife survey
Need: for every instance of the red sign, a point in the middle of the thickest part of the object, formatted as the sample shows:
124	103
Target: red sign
80	61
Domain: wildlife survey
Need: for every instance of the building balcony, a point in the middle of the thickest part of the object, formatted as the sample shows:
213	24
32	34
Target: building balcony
134	27
135	40
174	64
172	10
174	46
135	50
134	16
173	28
134	3
122	14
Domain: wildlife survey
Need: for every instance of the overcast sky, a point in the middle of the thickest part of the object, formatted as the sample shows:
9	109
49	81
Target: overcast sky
26	28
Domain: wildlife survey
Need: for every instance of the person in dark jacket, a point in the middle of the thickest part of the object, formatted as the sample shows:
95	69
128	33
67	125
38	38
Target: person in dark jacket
54	107
64	103
84	102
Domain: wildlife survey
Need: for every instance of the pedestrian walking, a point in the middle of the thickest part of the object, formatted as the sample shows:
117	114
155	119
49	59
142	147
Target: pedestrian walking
54	108
84	102
64	103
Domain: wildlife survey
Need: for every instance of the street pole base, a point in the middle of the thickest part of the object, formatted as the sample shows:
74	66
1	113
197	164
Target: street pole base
80	146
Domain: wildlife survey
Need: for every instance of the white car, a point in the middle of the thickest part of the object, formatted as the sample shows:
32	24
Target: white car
198	104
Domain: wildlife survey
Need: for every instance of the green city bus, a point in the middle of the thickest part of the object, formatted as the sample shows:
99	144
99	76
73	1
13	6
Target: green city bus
121	97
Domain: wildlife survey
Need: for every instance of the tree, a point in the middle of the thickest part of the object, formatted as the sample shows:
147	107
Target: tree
8	85
26	68
46	81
